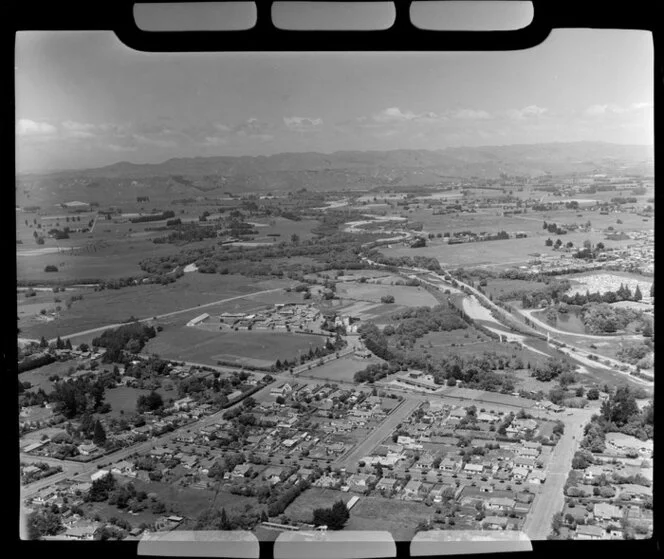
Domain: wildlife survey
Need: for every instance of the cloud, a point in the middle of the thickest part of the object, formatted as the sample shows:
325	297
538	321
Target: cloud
613	109
531	111
252	127
159	142
640	106
27	127
471	114
394	114
302	124
215	141
118	148
79	129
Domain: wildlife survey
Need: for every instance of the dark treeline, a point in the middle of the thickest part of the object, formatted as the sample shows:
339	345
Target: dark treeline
426	262
619	413
187	233
168	214
341	250
130	337
476	371
416	322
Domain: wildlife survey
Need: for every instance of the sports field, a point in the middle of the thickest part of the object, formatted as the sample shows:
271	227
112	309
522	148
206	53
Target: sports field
342	369
254	347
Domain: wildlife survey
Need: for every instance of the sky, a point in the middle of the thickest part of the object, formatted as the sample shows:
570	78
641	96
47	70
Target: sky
84	100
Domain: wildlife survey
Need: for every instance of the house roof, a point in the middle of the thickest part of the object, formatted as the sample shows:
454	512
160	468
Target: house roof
590	530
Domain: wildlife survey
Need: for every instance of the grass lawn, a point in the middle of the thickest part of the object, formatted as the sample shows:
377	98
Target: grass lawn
39	377
106	511
302	508
123	399
341	369
201	346
190	503
400	518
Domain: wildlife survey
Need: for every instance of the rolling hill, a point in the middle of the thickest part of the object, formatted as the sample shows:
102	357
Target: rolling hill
336	171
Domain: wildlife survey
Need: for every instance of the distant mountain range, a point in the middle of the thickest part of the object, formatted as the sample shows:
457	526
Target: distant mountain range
350	169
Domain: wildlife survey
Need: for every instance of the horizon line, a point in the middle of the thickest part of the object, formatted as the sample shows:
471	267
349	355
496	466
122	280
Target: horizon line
161	162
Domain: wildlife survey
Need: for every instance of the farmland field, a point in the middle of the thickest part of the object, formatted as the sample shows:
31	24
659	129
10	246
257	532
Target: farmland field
251	347
496	254
403	295
141	301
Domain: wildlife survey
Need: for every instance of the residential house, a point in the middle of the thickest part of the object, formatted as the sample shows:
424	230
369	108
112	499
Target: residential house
412	490
473	469
242	470
123	468
82	530
98	474
526	452
527	463
184	403
281	390
607	511
450	464
87	449
537	477
305	473
386	484
589	532
503	504
495	522
358	483
519	473
593	472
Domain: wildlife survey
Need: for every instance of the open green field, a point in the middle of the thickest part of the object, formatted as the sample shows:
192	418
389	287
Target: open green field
39	377
302	508
106	511
252	347
115	258
123	399
143	301
403	295
341	369
278	297
191	503
400	518
283	227
497	287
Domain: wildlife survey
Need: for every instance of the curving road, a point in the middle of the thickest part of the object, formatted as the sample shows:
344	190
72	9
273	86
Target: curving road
529	314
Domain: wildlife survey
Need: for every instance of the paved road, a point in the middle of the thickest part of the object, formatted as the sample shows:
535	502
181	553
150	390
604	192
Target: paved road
173	313
550	499
379	434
